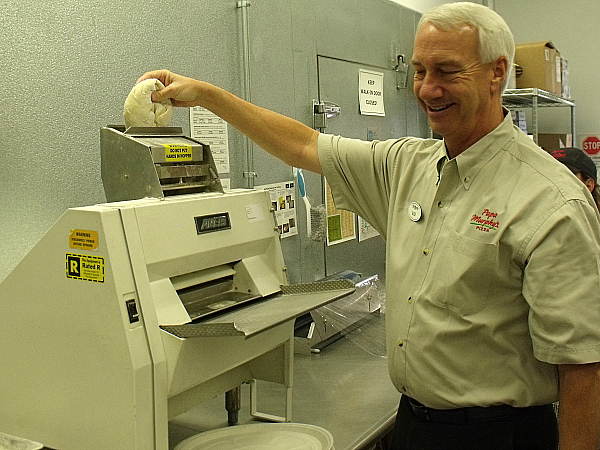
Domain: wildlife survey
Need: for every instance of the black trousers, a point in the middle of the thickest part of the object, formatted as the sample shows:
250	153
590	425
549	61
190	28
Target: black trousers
496	428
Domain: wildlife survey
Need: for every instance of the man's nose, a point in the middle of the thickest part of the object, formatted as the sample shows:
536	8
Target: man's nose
429	88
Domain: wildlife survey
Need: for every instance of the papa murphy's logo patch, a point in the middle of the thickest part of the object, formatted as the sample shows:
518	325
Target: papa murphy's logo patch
486	221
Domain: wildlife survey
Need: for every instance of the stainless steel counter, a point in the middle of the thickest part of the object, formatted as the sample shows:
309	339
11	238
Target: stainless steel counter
344	389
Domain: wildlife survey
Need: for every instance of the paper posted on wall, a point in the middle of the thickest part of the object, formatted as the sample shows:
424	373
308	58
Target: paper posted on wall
340	223
283	201
210	129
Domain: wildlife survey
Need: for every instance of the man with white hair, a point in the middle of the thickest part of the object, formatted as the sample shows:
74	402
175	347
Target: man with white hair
493	300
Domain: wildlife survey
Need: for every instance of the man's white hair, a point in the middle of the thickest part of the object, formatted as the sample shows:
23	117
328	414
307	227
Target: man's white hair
495	37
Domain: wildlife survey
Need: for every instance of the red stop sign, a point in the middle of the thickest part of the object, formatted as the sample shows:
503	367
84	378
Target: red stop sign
591	145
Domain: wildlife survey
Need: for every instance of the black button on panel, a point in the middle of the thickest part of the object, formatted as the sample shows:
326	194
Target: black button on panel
134	316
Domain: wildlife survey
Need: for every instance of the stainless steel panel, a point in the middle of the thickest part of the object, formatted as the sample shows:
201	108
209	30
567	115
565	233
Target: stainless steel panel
338	83
368	31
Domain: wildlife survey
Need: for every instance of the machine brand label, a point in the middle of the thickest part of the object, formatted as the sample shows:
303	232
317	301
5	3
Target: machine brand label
212	222
178	152
83	239
86	268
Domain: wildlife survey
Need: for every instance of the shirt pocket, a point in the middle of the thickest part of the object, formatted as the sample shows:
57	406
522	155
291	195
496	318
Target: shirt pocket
469	273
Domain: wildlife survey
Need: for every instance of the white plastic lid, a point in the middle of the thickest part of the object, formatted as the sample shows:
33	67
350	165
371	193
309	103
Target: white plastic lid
8	442
264	436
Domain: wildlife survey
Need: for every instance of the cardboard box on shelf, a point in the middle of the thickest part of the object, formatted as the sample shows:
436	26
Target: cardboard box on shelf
551	142
541	66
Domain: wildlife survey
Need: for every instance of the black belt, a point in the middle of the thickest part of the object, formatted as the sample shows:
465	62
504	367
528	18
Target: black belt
471	414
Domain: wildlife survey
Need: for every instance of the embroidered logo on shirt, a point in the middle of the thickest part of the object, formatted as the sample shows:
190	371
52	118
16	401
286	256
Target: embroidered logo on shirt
485	222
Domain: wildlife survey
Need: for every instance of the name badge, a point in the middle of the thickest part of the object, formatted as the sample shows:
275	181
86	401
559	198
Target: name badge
415	212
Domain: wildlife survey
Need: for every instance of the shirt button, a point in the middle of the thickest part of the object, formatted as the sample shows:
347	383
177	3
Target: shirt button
441	204
426	251
400	343
409	299
467	179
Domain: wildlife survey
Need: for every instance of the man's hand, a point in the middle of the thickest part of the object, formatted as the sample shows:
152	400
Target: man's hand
181	90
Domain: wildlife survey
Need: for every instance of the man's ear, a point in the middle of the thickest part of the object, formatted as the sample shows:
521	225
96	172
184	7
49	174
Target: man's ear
590	184
499	73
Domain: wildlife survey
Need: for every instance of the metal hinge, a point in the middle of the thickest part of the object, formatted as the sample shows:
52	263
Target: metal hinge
323	111
401	67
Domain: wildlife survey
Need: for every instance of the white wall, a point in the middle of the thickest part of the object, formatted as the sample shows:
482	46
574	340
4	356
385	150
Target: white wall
572	27
420	5
423	5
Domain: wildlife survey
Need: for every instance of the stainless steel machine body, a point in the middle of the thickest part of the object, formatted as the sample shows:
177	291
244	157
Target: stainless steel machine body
154	162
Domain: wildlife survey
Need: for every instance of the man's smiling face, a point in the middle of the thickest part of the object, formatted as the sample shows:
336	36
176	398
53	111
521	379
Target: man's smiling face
452	85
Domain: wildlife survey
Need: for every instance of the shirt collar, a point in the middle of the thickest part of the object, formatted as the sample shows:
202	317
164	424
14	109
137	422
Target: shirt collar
472	160
442	158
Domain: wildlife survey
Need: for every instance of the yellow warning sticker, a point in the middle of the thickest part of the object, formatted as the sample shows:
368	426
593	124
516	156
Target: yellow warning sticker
178	152
84	267
83	239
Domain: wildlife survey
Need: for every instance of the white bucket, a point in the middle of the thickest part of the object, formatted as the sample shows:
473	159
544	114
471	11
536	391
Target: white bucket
263	436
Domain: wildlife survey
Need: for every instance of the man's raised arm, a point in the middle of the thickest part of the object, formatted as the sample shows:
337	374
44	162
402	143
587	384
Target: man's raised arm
287	139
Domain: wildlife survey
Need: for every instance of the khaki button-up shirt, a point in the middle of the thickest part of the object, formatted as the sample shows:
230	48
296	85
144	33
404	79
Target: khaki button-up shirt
492	263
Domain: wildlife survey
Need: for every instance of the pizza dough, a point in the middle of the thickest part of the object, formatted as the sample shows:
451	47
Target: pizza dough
141	111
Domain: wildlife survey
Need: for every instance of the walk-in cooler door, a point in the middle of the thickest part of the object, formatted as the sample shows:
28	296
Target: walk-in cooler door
339	84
